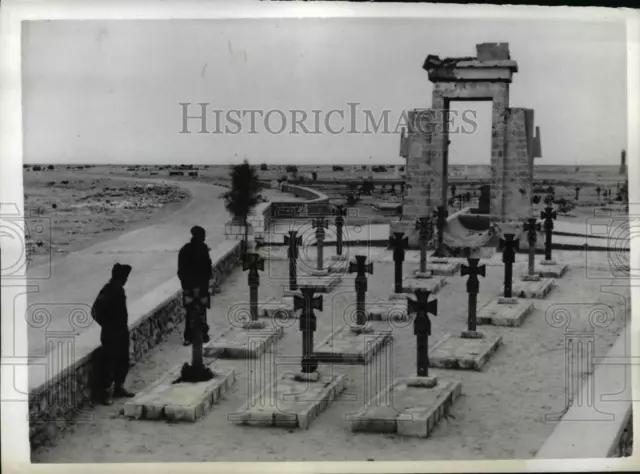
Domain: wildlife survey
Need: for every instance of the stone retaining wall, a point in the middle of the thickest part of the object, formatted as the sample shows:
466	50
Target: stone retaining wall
602	427
61	395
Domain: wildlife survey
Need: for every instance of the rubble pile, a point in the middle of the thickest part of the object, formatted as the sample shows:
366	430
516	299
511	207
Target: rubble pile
135	197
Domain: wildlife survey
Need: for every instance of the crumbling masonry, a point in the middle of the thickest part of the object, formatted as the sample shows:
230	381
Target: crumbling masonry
513	145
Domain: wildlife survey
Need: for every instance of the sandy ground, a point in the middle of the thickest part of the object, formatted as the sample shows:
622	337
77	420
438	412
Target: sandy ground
81	209
500	416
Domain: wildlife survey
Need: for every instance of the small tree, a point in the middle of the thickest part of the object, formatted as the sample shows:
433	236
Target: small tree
264	167
243	195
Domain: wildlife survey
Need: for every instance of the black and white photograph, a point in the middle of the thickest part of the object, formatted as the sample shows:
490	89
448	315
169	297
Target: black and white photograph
357	238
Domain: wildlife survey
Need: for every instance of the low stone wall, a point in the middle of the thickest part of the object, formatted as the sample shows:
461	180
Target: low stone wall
61	394
317	204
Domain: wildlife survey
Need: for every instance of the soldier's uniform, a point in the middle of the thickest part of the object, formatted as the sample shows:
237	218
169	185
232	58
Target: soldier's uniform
195	271
110	312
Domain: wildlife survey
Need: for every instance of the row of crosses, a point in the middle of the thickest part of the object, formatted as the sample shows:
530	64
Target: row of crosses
421	307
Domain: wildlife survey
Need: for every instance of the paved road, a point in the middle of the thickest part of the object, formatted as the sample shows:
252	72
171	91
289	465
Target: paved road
151	250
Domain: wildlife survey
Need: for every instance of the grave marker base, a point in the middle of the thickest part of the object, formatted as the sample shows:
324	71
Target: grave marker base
239	343
410	285
471	351
278	309
290	402
184	401
533	289
555	270
510	313
322	284
347	347
444	269
407	407
388	310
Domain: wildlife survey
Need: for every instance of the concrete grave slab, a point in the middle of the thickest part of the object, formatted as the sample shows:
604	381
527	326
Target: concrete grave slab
164	400
407	407
538	289
345	346
322	284
388	310
446	268
553	269
240	343
468	351
410	285
290	402
278	309
511	313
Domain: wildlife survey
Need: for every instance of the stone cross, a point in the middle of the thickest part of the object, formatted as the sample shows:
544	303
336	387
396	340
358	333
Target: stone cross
254	263
510	244
548	215
307	303
441	216
532	228
293	241
360	268
341	212
320	224
399	243
422	307
424	226
473	286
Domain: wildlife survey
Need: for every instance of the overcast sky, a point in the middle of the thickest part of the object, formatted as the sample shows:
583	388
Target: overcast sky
109	91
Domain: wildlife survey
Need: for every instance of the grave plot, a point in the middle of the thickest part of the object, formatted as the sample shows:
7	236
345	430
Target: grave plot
505	312
248	337
552	269
321	283
410	285
352	345
441	267
355	343
411	406
290	402
472	349
387	310
243	342
399	243
295	399
183	401
468	351
531	287
278	308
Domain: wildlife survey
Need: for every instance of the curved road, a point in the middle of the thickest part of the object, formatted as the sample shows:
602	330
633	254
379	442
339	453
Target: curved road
151	250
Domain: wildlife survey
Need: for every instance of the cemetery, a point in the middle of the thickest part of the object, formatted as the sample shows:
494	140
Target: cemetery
397	343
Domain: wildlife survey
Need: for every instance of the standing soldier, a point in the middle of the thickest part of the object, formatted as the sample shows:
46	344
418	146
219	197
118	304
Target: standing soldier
194	271
110	311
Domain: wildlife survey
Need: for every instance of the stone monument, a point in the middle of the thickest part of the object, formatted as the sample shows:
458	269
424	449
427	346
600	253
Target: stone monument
515	140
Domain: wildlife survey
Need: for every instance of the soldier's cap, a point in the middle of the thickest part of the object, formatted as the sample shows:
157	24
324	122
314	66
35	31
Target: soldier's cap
120	271
198	232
